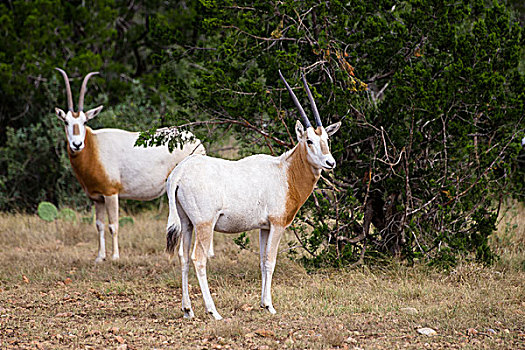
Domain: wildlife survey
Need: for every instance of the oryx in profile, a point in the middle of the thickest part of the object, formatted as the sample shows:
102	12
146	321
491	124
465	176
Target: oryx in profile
258	192
109	166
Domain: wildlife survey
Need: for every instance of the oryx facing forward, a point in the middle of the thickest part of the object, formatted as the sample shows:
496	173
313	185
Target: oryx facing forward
258	192
109	166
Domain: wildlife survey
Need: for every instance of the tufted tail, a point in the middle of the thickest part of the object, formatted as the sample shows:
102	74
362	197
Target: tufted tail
173	228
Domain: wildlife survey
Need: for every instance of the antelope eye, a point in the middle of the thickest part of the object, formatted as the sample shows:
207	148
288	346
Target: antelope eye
309	142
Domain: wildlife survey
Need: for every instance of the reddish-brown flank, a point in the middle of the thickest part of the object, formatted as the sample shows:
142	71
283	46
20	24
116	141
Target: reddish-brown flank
301	182
89	170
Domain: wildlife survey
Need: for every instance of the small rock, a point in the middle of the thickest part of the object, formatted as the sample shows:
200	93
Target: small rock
122	347
350	340
249	335
506	331
409	310
491	331
427	331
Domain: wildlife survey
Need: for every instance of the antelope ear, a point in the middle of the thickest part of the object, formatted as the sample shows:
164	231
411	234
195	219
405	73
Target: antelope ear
332	129
299	130
60	114
92	113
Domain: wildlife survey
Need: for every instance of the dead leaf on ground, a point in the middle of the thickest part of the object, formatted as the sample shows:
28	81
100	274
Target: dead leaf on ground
246	307
114	330
472	331
120	339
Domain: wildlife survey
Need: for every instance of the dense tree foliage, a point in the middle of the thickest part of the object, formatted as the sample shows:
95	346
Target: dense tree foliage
79	36
430	94
424	155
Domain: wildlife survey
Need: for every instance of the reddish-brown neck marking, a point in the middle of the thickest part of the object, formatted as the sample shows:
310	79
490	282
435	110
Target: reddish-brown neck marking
301	182
89	169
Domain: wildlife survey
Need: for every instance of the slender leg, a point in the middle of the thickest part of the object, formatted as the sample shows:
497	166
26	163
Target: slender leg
100	217
263	241
112	209
203	241
184	257
271	256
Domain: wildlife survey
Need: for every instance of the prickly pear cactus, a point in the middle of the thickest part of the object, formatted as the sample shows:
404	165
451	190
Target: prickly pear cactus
47	211
89	219
125	221
67	214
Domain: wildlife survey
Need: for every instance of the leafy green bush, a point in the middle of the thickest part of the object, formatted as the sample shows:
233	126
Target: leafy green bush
242	241
424	155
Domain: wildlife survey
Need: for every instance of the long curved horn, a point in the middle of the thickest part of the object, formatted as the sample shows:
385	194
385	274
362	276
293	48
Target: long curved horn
312	103
297	104
83	91
68	90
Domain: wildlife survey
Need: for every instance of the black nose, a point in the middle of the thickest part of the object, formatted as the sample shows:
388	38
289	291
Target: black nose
77	145
330	164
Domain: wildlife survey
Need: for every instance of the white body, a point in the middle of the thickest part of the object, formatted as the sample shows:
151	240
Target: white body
136	172
257	192
239	198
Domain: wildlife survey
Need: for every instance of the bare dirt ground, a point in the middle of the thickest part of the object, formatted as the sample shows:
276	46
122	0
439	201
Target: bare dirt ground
52	295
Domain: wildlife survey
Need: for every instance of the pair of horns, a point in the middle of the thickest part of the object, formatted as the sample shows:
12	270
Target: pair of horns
82	90
298	105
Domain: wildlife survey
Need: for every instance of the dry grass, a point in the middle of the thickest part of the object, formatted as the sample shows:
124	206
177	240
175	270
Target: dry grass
52	295
509	242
